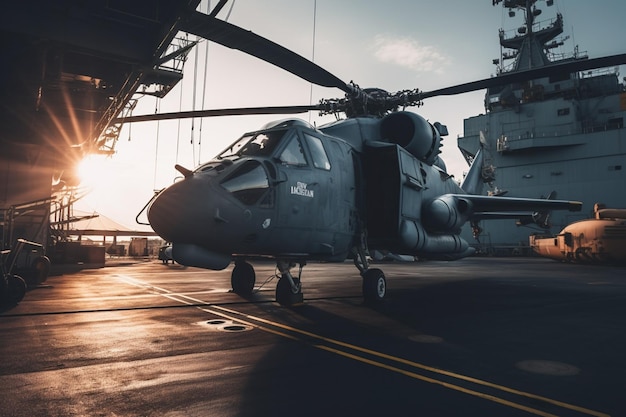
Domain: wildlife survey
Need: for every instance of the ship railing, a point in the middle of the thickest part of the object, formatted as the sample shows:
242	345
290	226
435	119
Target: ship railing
563	56
523	134
600	72
537	27
553	57
504	142
613	124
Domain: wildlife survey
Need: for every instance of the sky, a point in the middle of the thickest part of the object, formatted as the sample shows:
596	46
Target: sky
391	44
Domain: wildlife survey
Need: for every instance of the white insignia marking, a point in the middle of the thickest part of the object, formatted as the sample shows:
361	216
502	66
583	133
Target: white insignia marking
301	189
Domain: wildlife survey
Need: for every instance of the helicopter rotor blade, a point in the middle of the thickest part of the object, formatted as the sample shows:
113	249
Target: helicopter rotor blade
531	74
244	111
234	37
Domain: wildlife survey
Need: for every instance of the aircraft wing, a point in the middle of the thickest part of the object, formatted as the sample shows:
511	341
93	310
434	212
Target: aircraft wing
450	211
498	215
539	218
478	204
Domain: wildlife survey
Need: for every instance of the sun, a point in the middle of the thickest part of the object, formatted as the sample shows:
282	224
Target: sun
92	171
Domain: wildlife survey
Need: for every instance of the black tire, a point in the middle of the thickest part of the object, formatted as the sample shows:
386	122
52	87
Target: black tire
374	286
285	295
16	289
41	266
243	278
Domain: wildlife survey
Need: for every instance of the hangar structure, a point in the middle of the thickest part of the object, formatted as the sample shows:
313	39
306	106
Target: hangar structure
70	69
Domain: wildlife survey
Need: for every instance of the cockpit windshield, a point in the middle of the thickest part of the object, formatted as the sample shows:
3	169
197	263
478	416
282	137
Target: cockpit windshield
258	144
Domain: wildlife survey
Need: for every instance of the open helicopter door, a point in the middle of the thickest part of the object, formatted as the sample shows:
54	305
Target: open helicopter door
396	191
394	183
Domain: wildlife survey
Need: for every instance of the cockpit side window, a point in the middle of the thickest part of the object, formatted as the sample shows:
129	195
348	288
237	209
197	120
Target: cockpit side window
248	183
293	154
318	153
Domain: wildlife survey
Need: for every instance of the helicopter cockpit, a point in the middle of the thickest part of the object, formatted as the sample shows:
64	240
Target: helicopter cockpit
262	143
258	144
256	157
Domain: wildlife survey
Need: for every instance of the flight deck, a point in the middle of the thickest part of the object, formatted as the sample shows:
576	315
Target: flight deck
475	337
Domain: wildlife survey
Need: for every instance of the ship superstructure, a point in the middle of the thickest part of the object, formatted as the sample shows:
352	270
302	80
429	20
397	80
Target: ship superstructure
561	136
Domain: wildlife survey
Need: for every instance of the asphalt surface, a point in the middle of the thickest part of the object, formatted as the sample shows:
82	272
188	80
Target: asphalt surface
476	337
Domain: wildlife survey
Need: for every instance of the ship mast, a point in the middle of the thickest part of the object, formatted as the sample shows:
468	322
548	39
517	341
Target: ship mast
532	41
529	46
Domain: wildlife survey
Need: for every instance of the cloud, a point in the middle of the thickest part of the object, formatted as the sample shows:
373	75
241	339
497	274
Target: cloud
408	53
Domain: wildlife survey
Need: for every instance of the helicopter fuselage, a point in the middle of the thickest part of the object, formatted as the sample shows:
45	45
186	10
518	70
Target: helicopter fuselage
291	191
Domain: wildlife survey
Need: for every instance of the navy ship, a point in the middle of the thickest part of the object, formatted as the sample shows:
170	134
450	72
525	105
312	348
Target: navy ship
555	137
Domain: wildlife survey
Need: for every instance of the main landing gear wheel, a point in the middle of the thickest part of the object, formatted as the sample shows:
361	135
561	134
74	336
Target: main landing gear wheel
242	278
374	286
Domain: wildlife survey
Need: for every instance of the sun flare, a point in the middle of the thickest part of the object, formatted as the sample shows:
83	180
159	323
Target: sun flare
92	171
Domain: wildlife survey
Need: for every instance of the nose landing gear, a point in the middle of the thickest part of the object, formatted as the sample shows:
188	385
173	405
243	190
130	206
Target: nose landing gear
289	288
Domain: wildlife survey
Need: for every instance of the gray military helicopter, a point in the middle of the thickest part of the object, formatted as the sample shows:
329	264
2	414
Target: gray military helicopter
296	193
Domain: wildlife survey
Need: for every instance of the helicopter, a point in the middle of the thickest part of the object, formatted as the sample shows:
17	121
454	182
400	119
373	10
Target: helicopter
599	240
294	192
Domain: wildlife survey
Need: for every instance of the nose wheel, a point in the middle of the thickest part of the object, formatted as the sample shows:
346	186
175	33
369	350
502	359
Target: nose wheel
289	288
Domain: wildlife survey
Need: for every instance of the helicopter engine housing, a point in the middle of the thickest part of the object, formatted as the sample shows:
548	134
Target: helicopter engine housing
446	213
413	133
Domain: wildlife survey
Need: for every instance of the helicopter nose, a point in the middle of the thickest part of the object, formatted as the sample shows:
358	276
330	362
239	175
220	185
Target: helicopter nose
171	214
